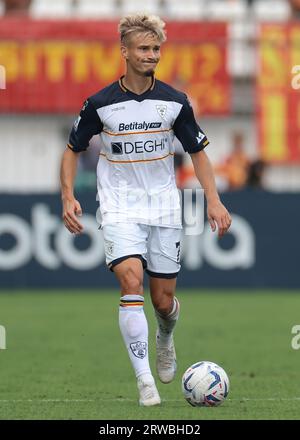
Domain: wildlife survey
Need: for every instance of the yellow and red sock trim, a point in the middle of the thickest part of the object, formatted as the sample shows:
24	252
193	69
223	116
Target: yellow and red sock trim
132	301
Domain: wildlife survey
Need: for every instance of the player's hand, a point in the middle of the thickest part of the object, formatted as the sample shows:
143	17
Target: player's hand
71	210
218	215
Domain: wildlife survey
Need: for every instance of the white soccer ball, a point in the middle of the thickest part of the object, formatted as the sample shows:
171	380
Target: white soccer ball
205	384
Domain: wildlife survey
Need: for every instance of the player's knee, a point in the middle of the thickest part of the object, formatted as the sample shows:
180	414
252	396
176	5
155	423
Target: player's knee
131	283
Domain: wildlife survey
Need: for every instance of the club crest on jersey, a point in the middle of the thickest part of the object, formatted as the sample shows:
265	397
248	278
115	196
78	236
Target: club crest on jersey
139	349
162	110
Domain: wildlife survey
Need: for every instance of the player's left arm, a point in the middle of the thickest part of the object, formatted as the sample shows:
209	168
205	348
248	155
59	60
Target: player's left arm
217	214
194	140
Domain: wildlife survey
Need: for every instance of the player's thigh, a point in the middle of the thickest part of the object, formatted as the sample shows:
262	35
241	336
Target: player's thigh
123	241
130	274
125	251
163	252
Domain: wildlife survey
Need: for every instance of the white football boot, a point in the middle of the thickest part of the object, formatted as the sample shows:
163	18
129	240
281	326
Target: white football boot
148	392
166	365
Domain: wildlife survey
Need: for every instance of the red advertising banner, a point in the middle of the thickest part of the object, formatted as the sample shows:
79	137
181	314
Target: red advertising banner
53	66
278	98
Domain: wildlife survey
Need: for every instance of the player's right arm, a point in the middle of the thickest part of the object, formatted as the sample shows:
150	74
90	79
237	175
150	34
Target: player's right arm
71	206
85	127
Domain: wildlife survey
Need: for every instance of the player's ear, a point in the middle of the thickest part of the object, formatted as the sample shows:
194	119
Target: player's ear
124	52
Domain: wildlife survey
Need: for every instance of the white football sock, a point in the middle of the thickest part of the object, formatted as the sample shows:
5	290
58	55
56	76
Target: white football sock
167	323
134	329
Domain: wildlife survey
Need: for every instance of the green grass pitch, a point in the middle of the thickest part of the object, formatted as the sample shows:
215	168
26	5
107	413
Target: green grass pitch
65	358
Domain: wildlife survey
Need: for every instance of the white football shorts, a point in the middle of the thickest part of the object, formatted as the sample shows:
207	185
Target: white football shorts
157	247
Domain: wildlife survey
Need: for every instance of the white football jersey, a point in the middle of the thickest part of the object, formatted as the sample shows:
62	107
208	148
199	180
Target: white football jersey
135	173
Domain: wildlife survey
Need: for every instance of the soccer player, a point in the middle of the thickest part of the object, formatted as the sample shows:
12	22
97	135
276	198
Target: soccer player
137	118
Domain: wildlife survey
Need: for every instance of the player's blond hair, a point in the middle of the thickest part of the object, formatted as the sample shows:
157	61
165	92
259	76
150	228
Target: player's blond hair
141	23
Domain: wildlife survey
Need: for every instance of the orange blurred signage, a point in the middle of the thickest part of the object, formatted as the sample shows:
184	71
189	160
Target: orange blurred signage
53	66
278	103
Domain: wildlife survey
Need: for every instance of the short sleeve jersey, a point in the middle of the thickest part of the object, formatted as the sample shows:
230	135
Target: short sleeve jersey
135	173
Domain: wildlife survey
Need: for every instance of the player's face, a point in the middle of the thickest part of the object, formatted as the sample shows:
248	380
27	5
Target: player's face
142	53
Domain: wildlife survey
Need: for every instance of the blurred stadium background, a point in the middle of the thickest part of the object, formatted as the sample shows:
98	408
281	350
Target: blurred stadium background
233	58
236	60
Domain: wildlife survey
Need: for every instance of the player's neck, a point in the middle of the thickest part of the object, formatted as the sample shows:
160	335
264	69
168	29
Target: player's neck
137	84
